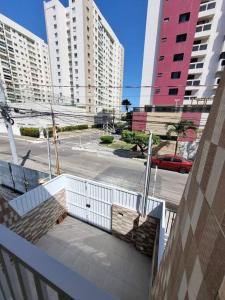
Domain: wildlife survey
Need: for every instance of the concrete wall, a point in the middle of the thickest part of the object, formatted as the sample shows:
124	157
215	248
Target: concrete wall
129	226
38	221
193	265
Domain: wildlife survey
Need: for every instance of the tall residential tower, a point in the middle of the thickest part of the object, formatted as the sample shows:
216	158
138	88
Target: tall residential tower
24	63
184	55
86	56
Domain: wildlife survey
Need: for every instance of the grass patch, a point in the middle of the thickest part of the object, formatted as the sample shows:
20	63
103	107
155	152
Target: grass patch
121	145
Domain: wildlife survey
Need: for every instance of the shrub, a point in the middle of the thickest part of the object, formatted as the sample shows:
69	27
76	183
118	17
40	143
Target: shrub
30	131
74	127
139	138
107	139
81	127
97	126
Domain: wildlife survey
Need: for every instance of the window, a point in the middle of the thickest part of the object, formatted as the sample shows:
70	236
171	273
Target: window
56	34
166	19
161	57
55	26
177	160
54	17
178	56
184	17
191	76
175	75
56	42
159	74
188	93
74	19
181	38
173	91
164	39
57	58
75	54
58	66
165	158
59	73
157	91
194	59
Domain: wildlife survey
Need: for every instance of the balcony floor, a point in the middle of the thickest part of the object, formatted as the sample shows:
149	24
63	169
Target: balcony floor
111	264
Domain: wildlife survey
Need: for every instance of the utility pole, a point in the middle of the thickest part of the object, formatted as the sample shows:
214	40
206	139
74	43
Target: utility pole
55	140
49	154
8	123
147	175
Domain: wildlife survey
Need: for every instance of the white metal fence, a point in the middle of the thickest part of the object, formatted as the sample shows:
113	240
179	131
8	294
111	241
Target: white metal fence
20	178
86	199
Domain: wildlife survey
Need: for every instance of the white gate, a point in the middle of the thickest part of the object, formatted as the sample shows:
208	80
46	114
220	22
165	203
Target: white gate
90	202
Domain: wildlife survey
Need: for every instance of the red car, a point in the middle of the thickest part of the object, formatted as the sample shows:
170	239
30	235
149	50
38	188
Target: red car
172	162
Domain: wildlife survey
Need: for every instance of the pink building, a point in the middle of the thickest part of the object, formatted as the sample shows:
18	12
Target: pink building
184	55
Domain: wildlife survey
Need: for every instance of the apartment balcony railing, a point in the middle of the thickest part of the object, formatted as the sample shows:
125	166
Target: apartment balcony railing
203	27
200	105
193	82
207	6
200	47
196	65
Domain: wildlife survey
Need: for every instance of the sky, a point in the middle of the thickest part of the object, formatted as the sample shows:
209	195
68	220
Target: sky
126	17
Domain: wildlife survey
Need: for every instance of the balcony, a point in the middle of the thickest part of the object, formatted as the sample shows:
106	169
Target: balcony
196	68
91	263
207	9
203	30
199	50
193	84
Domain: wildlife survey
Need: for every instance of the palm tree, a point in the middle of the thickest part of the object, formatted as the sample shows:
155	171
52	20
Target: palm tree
180	129
126	103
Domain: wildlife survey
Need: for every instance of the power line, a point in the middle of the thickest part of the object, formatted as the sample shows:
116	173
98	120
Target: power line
108	86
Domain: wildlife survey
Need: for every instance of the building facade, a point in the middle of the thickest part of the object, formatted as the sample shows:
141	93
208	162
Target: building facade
24	64
184	67
86	56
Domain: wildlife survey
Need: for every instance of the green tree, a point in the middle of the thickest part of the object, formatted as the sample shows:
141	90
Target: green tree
126	103
139	139
180	129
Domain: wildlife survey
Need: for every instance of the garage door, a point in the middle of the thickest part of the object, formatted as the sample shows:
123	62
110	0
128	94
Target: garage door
90	202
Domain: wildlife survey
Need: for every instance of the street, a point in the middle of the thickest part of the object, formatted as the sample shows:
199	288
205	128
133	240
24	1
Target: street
78	157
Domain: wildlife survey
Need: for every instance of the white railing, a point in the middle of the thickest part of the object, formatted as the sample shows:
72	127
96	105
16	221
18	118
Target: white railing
27	273
128	199
203	27
207	6
200	47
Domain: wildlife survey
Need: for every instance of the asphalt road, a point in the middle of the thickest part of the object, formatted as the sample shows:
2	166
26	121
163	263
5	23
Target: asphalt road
105	167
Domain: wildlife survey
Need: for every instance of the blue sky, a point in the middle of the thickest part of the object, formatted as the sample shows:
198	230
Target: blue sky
126	17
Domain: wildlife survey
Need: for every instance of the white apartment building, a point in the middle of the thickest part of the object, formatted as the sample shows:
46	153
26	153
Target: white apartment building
24	64
86	57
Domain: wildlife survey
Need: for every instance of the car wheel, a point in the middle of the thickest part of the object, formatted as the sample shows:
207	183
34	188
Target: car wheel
183	171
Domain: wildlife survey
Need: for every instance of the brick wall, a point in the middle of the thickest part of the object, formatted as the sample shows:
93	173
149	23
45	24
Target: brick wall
129	226
193	265
38	221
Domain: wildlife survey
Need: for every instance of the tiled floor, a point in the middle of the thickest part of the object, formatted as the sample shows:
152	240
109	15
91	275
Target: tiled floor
110	263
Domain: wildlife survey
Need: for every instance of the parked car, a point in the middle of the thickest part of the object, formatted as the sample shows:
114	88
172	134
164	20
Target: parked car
172	162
